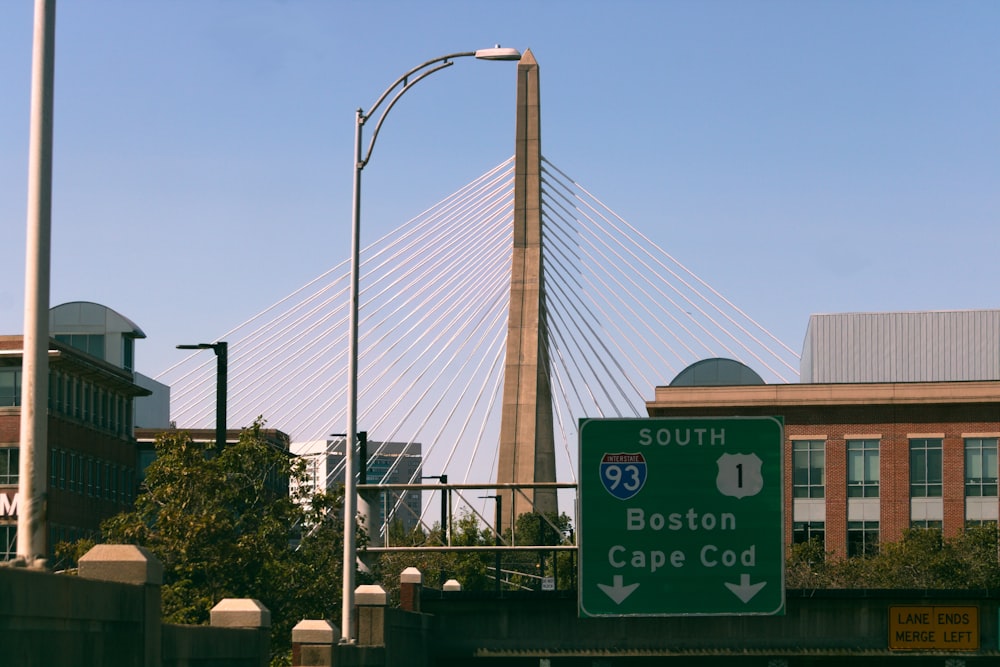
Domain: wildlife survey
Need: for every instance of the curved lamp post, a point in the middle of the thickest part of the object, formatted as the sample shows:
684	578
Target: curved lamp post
392	94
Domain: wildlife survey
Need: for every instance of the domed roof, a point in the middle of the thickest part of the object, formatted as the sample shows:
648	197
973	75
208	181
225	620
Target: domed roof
716	372
90	317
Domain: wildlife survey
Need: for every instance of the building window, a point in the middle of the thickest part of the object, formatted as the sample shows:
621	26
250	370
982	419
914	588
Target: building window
862	468
92	344
53	468
56	382
925	468
62	469
862	538
72	407
128	352
9	465
79	473
803	531
927	524
808	464
981	467
10	387
8	542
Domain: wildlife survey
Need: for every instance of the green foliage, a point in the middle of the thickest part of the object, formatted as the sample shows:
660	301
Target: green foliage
437	567
923	559
68	554
525	569
221	530
474	570
808	565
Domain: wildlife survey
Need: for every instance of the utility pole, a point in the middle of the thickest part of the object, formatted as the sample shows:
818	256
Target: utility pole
33	464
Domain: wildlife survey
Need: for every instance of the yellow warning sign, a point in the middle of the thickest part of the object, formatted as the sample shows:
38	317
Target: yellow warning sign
941	628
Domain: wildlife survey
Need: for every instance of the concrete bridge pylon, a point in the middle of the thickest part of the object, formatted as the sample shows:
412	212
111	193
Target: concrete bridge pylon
527	442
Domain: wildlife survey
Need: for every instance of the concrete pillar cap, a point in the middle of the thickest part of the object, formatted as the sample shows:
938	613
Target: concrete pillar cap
411	575
240	613
310	631
452	585
124	563
370	595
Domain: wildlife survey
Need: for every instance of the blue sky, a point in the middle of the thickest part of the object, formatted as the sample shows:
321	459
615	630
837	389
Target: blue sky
801	157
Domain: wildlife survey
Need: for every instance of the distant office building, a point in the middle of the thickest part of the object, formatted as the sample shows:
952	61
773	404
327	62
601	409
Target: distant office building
91	446
898	427
388	463
152	411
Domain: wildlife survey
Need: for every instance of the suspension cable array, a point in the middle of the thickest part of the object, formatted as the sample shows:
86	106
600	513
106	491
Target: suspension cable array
624	316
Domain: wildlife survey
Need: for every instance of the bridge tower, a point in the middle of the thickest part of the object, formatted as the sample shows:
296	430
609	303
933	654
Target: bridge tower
527	443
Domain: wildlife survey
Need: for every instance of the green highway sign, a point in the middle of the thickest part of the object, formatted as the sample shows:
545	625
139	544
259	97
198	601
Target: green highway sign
681	517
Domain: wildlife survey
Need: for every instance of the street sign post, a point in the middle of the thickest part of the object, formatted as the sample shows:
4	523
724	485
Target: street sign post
681	517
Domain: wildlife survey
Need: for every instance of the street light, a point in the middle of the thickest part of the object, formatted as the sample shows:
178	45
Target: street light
445	514
496	538
396	90
221	350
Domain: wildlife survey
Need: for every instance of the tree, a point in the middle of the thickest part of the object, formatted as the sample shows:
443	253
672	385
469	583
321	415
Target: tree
808	565
469	569
526	569
222	531
922	559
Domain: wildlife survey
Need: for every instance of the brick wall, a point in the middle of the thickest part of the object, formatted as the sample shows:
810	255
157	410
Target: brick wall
895	424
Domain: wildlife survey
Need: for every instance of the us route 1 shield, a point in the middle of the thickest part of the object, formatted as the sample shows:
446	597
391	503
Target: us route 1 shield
681	517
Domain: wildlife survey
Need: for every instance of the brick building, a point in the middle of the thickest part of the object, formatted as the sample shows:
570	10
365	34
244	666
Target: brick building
866	455
91	448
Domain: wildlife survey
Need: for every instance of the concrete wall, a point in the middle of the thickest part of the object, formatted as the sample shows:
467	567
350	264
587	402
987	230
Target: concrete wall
448	629
49	619
206	646
819	627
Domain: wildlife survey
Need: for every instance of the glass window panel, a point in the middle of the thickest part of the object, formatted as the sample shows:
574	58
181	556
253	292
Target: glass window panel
973	463
871	466
95	345
934	466
818	466
855	467
8	542
10	387
989	463
9	466
800	468
918	467
807	468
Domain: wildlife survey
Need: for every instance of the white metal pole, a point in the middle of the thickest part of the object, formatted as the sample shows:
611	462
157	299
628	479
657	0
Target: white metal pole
33	467
350	464
403	84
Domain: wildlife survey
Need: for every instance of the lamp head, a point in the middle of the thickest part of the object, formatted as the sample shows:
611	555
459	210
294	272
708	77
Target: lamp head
498	53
